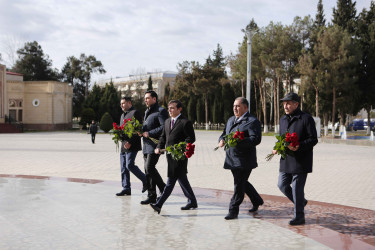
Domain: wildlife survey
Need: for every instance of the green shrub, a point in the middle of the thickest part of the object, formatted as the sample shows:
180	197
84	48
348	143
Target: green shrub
106	123
87	115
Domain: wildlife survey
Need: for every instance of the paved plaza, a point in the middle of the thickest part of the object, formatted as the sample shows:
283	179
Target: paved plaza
57	191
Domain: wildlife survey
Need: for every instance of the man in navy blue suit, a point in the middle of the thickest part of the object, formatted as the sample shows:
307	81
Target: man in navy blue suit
242	158
177	129
153	125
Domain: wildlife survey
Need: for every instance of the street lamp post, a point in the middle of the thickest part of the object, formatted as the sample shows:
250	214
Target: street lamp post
249	34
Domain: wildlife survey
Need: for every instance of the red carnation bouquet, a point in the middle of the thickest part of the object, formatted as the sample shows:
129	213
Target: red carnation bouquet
281	146
232	139
131	126
181	151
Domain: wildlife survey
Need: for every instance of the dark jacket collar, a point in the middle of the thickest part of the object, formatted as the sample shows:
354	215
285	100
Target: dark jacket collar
127	111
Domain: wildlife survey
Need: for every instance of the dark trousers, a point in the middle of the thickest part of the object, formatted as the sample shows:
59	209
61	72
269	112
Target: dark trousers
185	186
242	186
93	137
152	175
293	187
127	165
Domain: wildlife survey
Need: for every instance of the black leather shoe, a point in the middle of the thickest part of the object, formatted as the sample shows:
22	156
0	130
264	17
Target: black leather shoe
296	221
155	207
231	216
255	208
189	206
148	201
305	203
124	192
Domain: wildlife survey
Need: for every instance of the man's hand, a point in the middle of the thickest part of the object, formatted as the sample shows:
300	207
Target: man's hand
127	145
221	143
145	134
293	148
274	151
157	151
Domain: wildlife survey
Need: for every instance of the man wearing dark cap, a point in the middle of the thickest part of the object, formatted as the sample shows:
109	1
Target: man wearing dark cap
298	162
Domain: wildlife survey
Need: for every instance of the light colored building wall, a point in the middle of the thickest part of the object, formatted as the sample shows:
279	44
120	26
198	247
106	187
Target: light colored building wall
47	105
137	84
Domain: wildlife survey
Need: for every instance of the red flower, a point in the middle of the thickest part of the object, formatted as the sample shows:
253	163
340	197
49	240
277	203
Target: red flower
242	136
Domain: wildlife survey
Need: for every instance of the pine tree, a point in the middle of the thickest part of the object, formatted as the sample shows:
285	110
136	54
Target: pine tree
149	85
345	15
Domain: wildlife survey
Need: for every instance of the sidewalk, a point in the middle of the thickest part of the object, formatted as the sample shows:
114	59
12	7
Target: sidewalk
343	175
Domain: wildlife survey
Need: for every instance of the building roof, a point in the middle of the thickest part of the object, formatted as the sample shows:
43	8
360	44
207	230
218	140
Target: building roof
14	73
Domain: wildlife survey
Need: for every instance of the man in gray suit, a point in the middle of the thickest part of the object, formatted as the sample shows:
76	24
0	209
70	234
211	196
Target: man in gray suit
242	158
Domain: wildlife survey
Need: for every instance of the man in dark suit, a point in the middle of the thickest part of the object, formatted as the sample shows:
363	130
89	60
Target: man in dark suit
153	125
242	158
176	129
129	150
295	167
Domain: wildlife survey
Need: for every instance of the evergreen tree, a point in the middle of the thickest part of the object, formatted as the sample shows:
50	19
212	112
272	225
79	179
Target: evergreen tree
200	111
228	98
366	41
149	84
34	64
344	15
106	122
93	101
191	109
110	101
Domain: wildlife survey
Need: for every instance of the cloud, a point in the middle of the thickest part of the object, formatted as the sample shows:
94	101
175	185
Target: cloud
126	35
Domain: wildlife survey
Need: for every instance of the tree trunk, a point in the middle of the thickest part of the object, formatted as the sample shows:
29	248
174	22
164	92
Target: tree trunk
368	109
301	104
243	89
256	100
333	110
325	122
275	106
206	109
316	100
263	99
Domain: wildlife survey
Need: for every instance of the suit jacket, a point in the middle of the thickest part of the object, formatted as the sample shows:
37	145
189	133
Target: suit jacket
135	140
304	125
93	128
182	131
244	155
153	123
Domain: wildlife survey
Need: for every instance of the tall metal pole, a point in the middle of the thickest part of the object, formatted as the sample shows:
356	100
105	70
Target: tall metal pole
249	35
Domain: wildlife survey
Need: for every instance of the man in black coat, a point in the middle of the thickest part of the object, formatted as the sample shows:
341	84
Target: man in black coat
242	158
176	129
129	150
153	125
93	130
298	162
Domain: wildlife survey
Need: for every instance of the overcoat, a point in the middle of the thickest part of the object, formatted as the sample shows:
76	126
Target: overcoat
300	161
153	123
182	131
244	155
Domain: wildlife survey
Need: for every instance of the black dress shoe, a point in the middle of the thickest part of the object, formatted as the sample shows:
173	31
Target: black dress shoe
148	201
305	203
189	206
255	207
155	207
231	216
124	192
295	221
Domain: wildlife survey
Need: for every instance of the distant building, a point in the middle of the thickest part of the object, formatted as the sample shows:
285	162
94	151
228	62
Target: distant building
136	85
38	105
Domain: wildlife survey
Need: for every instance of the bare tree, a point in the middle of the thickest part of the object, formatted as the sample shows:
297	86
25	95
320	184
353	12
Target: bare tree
9	46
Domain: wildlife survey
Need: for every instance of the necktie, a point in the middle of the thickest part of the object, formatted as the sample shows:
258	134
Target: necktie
172	123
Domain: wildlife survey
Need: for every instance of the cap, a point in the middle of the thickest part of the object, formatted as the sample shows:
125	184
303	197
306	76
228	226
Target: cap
291	97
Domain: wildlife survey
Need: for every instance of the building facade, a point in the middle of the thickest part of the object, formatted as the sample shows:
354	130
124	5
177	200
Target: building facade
136	85
38	105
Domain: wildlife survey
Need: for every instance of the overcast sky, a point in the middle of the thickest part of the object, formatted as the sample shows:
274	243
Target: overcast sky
142	34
